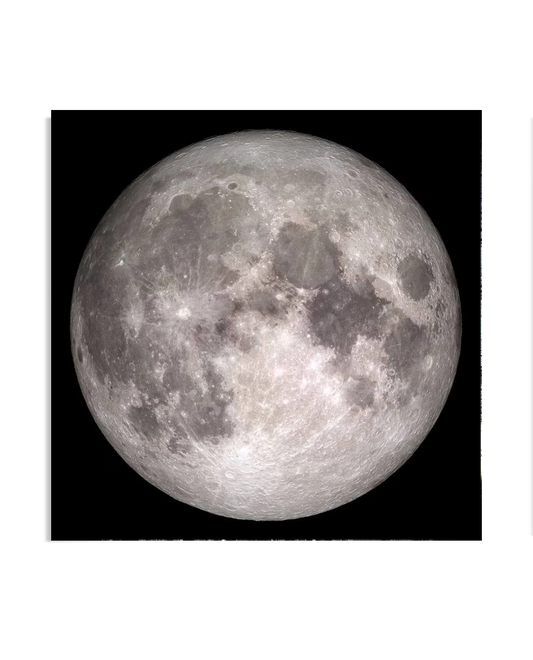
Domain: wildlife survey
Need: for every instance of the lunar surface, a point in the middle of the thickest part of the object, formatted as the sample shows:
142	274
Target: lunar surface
265	325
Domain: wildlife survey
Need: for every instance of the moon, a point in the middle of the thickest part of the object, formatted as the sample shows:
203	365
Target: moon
265	325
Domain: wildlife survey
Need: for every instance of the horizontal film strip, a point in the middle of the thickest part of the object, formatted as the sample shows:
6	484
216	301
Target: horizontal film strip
269	541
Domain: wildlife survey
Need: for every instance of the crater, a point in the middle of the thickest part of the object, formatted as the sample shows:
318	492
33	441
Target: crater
147	470
303	256
180	203
232	186
415	277
79	354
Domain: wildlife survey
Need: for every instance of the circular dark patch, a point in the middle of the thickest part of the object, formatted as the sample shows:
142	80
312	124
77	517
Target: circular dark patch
79	354
415	277
232	186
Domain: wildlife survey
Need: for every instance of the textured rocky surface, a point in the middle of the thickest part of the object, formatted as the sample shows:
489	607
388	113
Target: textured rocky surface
265	325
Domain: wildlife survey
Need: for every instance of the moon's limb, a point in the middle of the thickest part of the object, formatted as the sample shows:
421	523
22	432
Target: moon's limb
265	325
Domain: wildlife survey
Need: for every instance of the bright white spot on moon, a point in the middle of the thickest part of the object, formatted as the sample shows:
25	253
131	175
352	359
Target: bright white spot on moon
314	365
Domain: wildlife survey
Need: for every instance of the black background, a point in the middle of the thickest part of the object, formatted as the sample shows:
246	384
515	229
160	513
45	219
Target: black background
436	156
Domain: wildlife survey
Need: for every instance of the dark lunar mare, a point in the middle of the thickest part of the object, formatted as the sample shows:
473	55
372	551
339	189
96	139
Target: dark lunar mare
406	345
304	257
189	234
338	314
359	392
416	276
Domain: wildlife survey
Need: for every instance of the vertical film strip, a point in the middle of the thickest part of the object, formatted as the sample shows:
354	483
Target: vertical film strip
483	324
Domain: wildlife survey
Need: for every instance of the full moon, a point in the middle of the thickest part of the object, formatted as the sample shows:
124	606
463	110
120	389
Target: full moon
265	325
